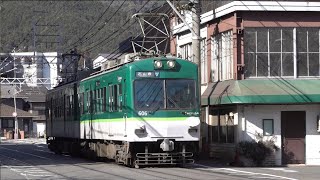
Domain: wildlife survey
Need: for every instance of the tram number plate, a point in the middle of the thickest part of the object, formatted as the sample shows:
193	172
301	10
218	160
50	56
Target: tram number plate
142	113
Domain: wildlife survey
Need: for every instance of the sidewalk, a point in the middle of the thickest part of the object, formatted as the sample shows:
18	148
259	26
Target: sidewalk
209	161
25	141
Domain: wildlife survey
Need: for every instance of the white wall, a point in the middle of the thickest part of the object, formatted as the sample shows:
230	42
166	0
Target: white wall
186	39
41	127
43	66
253	115
50	69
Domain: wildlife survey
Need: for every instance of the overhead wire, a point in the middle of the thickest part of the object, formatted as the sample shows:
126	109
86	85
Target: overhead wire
105	39
88	50
100	28
94	24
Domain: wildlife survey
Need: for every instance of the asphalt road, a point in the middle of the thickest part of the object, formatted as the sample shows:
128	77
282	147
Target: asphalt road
27	160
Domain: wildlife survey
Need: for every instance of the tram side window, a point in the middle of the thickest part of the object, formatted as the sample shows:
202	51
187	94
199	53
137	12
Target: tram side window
67	106
62	106
54	108
47	109
71	106
81	106
115	97
88	102
58	108
96	100
101	97
111	93
115	103
120	100
92	101
104	94
99	100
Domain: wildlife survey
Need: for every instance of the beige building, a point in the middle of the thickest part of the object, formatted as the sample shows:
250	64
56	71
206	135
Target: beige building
260	63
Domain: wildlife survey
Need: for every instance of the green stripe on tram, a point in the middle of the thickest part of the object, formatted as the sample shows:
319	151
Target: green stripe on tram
137	119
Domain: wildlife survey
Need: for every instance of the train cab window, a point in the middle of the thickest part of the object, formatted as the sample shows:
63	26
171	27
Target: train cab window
154	94
180	94
149	94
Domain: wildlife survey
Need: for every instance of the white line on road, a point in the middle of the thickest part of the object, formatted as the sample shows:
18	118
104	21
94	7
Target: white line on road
281	169
29	170
43	150
258	175
26	153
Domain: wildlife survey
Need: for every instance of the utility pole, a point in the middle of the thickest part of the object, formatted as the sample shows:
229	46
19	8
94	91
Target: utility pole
14	99
194	5
196	37
196	41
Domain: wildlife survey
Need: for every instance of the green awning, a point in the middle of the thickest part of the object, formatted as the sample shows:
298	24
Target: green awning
266	91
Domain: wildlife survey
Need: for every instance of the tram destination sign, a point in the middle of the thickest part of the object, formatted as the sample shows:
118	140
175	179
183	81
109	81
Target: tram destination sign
146	74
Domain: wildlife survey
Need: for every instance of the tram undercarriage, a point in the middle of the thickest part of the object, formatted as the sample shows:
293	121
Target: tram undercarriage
132	154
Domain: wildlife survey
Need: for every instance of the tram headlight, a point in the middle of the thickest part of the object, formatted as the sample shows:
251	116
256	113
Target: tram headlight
171	64
158	64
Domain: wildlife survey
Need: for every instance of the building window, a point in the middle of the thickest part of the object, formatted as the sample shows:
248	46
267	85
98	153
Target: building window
185	52
285	52
7	123
222	57
203	59
267	125
41	112
221	127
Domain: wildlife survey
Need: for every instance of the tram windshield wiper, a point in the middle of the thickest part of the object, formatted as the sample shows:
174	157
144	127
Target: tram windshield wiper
173	102
155	108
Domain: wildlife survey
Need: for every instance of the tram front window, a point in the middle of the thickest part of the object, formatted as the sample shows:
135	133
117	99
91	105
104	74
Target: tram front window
180	94
149	94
